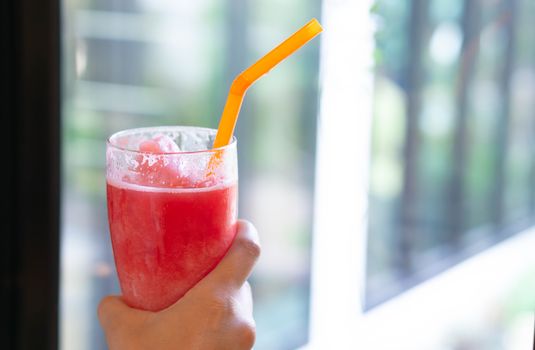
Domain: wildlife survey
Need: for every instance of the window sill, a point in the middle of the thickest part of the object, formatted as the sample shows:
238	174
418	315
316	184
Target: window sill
443	306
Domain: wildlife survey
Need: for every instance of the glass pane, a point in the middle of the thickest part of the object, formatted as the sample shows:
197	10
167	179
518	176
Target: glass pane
521	155
389	123
141	63
452	168
484	110
437	126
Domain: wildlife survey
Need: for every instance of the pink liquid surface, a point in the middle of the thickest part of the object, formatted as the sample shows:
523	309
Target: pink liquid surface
165	240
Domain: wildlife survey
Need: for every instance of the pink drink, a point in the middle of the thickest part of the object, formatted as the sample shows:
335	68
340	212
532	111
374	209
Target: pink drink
169	228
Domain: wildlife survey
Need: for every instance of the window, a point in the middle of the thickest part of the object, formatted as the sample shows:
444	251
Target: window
452	145
425	157
138	63
408	249
440	117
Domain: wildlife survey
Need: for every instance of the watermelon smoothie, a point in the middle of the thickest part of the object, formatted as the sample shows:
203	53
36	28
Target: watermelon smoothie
171	220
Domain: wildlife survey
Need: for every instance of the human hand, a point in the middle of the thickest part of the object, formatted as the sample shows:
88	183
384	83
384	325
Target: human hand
215	314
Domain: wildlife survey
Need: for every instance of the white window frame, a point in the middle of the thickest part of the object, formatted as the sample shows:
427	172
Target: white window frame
460	294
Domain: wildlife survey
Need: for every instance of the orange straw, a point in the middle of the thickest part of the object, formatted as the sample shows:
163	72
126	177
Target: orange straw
253	73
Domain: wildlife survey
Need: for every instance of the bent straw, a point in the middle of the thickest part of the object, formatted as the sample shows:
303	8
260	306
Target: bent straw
243	81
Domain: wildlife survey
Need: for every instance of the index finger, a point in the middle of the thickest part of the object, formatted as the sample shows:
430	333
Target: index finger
238	263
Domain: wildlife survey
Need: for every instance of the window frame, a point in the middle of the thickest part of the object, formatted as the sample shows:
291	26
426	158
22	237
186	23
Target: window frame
30	235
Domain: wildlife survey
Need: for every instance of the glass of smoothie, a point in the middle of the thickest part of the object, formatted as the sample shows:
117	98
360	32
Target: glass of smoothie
171	209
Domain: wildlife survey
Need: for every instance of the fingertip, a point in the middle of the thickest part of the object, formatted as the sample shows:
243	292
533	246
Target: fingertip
247	230
247	241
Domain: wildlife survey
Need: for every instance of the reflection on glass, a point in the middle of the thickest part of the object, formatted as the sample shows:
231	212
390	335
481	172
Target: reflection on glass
144	63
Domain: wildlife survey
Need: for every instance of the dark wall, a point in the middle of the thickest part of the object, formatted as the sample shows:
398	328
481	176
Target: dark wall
29	242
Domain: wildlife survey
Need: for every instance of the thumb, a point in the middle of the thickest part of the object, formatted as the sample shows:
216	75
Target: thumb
114	313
